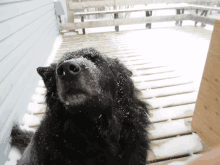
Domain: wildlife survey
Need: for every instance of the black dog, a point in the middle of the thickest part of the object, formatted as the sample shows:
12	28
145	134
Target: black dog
94	115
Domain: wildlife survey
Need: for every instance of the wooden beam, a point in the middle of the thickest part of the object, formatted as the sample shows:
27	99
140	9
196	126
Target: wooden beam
116	22
206	117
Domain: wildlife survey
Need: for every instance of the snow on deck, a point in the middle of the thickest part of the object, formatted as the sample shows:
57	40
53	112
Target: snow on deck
167	64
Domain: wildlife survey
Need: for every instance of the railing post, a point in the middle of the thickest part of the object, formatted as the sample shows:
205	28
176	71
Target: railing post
177	12
70	15
196	14
148	14
181	22
205	13
116	17
82	20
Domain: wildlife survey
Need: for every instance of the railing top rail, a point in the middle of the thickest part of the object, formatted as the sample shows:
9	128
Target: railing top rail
110	3
134	10
188	7
205	7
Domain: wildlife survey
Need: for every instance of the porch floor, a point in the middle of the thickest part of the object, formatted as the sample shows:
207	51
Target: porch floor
167	65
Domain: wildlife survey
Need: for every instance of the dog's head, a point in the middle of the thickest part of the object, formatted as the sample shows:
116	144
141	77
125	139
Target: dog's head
87	77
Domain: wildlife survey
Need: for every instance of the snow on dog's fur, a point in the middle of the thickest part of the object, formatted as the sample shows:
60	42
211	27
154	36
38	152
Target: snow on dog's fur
94	115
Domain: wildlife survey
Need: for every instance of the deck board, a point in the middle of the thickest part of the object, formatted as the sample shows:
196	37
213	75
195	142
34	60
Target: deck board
163	83
176	112
159	60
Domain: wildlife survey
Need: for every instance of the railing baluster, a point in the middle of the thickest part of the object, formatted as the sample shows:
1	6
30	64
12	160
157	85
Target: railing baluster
205	14
82	20
196	14
116	17
177	12
148	14
181	22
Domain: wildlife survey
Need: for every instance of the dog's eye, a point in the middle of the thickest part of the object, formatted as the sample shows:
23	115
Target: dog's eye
91	57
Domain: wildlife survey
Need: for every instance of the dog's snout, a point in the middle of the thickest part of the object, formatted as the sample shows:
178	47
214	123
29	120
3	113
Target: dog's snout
68	68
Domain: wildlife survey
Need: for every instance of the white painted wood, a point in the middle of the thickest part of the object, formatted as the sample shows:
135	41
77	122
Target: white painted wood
176	112
14	9
13	69
64	17
12	42
170	128
164	83
58	8
156	77
20	107
30	87
167	91
13	25
80	25
7	106
172	100
18	84
9	1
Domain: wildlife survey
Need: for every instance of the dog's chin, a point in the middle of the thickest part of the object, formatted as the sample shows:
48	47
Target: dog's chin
72	100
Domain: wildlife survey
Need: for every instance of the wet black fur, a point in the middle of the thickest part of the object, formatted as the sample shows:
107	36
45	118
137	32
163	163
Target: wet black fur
20	138
108	130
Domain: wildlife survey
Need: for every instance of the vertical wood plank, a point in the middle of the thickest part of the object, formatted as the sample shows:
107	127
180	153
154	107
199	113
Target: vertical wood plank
70	13
206	117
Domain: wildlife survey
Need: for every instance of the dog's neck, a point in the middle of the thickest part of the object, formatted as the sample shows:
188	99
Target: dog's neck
75	128
78	115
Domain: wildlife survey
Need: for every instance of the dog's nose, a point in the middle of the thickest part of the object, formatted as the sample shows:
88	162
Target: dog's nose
68	68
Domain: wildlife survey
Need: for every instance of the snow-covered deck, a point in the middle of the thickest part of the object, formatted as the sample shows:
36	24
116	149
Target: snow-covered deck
167	64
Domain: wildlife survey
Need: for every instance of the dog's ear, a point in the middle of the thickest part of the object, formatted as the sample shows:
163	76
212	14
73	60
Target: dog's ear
42	71
47	73
120	68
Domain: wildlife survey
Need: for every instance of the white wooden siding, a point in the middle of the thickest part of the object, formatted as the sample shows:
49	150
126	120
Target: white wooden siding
28	31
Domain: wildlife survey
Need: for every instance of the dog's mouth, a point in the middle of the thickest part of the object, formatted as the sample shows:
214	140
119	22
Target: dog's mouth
74	97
